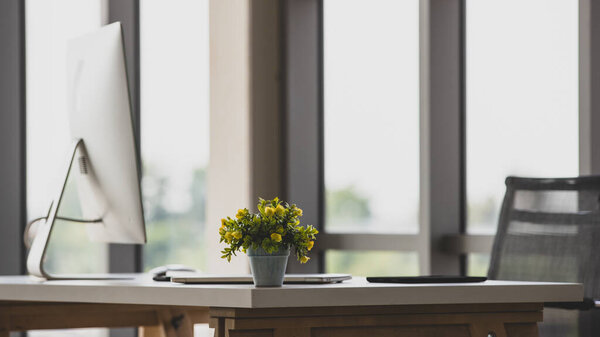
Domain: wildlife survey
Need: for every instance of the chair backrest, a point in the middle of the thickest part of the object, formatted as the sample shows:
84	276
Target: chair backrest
549	230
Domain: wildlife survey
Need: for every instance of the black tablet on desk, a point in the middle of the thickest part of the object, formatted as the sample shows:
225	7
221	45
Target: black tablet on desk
427	279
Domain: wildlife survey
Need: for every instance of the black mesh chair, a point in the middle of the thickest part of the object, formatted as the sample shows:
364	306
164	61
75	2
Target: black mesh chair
549	230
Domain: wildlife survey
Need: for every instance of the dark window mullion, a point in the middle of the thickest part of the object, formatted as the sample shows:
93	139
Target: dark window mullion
302	110
12	137
128	258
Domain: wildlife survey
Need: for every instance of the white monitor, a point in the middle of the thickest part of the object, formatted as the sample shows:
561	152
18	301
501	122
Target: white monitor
104	155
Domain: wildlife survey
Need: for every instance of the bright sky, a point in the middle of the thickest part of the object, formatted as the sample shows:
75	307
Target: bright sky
521	99
175	93
522	93
174	89
49	25
371	65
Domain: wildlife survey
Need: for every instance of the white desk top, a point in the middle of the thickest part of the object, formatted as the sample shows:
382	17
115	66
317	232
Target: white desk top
358	291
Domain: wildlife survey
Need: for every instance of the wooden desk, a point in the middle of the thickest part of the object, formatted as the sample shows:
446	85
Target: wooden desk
353	308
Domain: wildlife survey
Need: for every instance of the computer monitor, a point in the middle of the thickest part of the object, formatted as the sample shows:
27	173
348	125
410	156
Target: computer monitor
104	156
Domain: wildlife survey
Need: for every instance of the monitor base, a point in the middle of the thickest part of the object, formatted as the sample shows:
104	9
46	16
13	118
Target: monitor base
39	245
84	277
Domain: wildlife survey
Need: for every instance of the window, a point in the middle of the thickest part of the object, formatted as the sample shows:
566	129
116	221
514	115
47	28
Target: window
174	129
49	25
372	263
477	264
371	129
522	98
371	84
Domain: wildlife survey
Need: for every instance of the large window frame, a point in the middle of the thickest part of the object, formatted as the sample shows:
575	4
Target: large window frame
441	243
13	212
463	244
441	133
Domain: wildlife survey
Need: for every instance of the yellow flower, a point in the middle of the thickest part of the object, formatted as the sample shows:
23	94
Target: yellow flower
228	236
297	223
223	222
304	259
310	245
269	211
276	237
238	235
279	210
298	211
241	213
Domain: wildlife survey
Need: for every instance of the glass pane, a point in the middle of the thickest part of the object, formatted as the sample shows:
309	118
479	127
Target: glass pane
477	264
371	88
49	25
372	263
70	250
174	117
522	98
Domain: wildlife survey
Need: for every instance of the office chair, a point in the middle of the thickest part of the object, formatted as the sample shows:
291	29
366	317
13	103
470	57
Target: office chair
549	230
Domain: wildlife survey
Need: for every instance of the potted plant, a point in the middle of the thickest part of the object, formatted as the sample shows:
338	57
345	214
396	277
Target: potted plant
267	237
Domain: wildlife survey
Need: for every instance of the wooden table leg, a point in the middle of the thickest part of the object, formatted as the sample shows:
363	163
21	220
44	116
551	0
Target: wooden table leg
151	331
175	322
217	323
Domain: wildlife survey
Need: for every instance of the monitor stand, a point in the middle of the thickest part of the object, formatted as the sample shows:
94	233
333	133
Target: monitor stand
39	246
